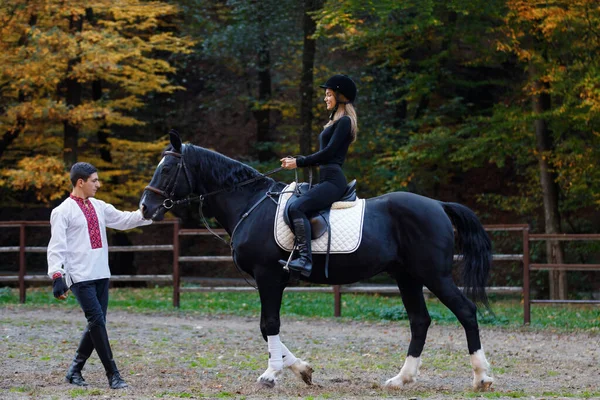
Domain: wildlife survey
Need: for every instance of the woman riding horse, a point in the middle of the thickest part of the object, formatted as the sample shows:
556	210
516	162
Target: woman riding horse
410	237
334	140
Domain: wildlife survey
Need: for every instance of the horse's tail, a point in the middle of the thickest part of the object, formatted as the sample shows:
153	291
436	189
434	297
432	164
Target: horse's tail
476	248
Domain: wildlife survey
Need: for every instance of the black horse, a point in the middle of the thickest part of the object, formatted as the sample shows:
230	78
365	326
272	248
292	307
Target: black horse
409	236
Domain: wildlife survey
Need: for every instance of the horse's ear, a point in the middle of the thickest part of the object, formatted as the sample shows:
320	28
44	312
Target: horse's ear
175	140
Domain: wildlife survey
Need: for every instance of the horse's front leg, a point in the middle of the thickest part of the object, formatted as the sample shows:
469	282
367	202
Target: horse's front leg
300	368
275	366
280	356
271	292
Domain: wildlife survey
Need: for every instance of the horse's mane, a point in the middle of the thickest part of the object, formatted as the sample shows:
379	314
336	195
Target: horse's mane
222	170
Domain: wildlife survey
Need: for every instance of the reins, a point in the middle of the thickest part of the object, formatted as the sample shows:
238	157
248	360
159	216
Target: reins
169	203
243	183
268	194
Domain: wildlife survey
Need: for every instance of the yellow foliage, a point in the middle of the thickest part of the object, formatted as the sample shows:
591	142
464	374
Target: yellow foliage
45	176
117	46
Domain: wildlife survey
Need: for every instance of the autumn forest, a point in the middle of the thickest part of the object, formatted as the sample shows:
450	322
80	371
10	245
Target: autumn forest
491	103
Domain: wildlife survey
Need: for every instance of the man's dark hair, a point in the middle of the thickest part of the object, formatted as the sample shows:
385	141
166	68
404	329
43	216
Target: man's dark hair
81	170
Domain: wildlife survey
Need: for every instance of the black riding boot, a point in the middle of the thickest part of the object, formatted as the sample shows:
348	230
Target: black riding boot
102	346
304	262
83	353
114	378
74	373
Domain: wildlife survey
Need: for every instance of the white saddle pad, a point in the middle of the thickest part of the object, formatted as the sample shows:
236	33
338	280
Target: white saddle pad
346	221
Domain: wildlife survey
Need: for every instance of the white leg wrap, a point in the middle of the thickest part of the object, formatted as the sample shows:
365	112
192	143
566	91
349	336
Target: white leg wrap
408	373
288	358
275	368
275	352
481	367
300	368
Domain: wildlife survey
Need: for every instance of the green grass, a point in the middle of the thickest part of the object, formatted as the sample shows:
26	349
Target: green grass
20	389
579	395
79	392
180	395
506	312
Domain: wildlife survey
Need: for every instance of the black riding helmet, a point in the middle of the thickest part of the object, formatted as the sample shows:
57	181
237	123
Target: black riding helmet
342	84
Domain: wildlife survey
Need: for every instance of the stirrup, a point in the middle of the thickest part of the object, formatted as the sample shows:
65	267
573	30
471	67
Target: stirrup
286	263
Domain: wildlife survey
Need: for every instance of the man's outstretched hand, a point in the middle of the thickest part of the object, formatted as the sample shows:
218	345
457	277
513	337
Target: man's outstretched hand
59	287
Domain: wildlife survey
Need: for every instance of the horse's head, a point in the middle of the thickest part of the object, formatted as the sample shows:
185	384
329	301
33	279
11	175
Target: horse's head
171	182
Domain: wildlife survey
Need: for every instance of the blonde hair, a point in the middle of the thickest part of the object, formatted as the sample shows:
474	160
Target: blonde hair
349	110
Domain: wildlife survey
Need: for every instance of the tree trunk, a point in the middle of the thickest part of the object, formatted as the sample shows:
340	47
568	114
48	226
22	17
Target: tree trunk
10	135
73	99
554	250
103	130
102	135
263	114
307	78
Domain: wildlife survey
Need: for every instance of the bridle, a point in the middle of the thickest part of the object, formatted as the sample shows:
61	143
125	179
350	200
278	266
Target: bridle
168	203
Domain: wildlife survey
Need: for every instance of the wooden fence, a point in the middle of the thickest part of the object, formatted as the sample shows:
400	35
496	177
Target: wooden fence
527	267
22	278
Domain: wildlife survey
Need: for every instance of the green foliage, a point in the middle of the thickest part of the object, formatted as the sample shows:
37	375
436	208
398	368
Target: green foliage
457	100
235	33
429	62
393	313
444	102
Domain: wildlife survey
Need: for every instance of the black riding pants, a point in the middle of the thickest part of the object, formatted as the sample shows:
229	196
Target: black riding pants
331	188
93	299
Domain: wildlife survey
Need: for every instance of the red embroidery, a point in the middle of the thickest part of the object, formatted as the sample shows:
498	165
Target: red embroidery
92	221
56	275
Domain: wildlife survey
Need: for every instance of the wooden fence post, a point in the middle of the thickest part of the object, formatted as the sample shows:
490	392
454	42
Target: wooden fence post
22	294
526	284
337	294
176	280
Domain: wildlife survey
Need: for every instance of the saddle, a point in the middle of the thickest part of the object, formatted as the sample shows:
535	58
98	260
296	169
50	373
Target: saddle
319	220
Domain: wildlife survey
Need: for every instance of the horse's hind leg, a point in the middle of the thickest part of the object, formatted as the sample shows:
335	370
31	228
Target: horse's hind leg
414	303
466	312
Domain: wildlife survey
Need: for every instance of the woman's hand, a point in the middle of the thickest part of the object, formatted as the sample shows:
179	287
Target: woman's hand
288	163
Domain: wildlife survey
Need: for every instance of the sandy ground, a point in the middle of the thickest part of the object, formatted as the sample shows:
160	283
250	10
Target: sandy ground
188	356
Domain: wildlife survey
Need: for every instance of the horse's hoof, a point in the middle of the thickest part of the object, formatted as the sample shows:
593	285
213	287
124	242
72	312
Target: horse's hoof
392	384
302	370
483	384
398	382
266	383
307	376
269	378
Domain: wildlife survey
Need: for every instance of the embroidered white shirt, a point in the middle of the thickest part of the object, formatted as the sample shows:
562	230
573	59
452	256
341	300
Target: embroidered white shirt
70	251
